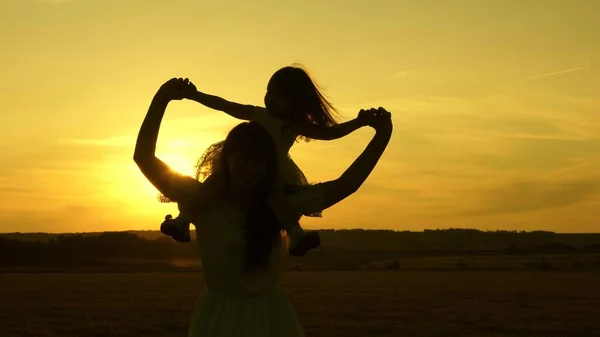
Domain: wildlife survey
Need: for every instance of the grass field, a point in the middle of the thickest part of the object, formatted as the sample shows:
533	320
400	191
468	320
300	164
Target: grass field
349	304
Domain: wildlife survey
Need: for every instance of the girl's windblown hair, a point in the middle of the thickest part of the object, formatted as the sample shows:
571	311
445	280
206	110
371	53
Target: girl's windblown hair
306	95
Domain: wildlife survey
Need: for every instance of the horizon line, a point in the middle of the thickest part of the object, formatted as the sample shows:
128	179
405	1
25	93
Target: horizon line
327	229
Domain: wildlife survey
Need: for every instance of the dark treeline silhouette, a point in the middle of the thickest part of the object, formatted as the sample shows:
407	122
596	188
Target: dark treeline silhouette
340	247
452	239
78	249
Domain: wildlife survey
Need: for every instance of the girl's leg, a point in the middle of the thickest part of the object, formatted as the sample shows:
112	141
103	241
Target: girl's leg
179	228
301	241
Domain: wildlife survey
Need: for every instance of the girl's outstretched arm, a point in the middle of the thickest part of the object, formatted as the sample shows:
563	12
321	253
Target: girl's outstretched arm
173	185
313	131
235	110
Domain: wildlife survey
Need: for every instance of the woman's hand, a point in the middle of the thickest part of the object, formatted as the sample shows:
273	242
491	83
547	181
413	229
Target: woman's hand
381	120
176	89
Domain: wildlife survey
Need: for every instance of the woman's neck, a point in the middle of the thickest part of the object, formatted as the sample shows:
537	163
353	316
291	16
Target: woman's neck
238	199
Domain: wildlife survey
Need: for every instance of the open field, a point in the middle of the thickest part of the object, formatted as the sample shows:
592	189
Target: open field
393	303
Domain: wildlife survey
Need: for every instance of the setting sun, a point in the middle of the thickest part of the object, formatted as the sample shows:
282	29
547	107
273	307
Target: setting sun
180	163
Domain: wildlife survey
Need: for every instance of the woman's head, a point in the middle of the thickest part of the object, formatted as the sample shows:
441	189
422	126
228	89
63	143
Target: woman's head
291	93
248	159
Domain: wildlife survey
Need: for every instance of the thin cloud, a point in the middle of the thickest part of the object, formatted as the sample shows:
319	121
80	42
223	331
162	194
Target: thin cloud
65	218
110	141
423	73
560	72
485	135
53	1
16	190
526	196
129	142
399	74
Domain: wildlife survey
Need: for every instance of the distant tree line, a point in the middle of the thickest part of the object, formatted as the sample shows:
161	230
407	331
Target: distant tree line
89	249
339	246
452	239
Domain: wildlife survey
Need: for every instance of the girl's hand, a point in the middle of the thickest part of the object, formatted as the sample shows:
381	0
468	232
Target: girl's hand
176	89
364	116
368	117
374	117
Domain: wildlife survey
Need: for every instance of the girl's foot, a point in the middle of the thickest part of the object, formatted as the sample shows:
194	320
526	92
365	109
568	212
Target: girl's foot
301	245
178	228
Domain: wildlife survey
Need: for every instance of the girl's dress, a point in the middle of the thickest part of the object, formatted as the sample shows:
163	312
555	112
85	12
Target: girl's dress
284	134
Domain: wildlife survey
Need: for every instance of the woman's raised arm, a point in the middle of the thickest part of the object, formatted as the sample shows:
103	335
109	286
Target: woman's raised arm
319	197
173	185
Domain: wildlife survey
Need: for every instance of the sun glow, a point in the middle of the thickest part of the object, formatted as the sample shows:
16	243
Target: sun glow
179	162
126	183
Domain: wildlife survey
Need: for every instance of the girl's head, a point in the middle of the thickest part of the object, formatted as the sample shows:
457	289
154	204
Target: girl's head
292	94
248	159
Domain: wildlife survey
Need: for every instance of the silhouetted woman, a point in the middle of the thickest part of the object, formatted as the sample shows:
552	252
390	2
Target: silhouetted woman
239	238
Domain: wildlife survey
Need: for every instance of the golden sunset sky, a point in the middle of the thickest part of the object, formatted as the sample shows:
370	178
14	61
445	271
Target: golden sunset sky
496	106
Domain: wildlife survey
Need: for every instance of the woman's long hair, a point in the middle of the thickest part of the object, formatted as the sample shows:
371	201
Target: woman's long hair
306	95
262	228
